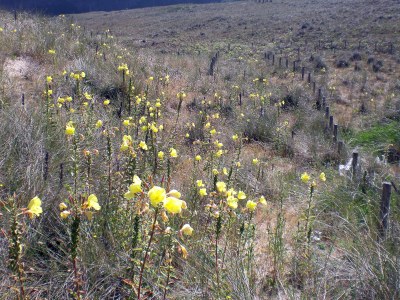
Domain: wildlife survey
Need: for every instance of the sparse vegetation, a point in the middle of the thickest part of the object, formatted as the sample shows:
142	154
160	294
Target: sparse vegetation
204	158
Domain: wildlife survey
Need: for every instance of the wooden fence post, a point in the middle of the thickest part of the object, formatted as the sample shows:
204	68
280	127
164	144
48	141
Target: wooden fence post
340	148
335	133
330	123
354	162
385	208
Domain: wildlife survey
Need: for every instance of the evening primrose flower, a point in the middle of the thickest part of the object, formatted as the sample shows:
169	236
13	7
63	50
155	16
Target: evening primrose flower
198	158
93	202
106	102
126	142
49	79
203	192
52	51
322	176
143	145
99	123
235	137
255	161
64	214
221	186
173	205
123	67
69	128
88	96
34	207
213	131
126	122
160	155
134	188
241	195
184	252
187	229
173	152
251	205
232	202
62	206
262	200
156	195
174	193
305	177
199	183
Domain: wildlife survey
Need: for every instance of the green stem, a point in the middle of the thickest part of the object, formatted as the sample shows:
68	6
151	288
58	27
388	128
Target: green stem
146	255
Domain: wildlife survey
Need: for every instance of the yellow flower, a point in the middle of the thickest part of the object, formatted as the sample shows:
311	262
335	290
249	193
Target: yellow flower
173	152
34	207
251	205
62	206
187	229
174	193
69	128
88	96
262	200
232	202
126	142
313	184
199	183
241	195
126	122
255	161
52	51
215	172
322	176
64	214
143	145
99	123
225	171
106	102
235	137
198	157
231	192
184	252
305	177
49	79
213	131
134	188
123	67
160	155
219	153
221	186
173	205
93	202
156	195
203	192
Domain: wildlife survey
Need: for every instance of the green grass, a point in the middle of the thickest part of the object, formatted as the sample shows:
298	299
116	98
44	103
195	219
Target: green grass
379	136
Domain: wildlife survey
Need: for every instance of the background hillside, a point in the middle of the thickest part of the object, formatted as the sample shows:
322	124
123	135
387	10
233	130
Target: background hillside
70	6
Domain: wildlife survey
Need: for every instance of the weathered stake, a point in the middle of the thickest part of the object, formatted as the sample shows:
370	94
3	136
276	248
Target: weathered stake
335	133
385	208
354	162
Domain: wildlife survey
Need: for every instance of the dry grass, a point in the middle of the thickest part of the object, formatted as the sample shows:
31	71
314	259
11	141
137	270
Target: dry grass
345	260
